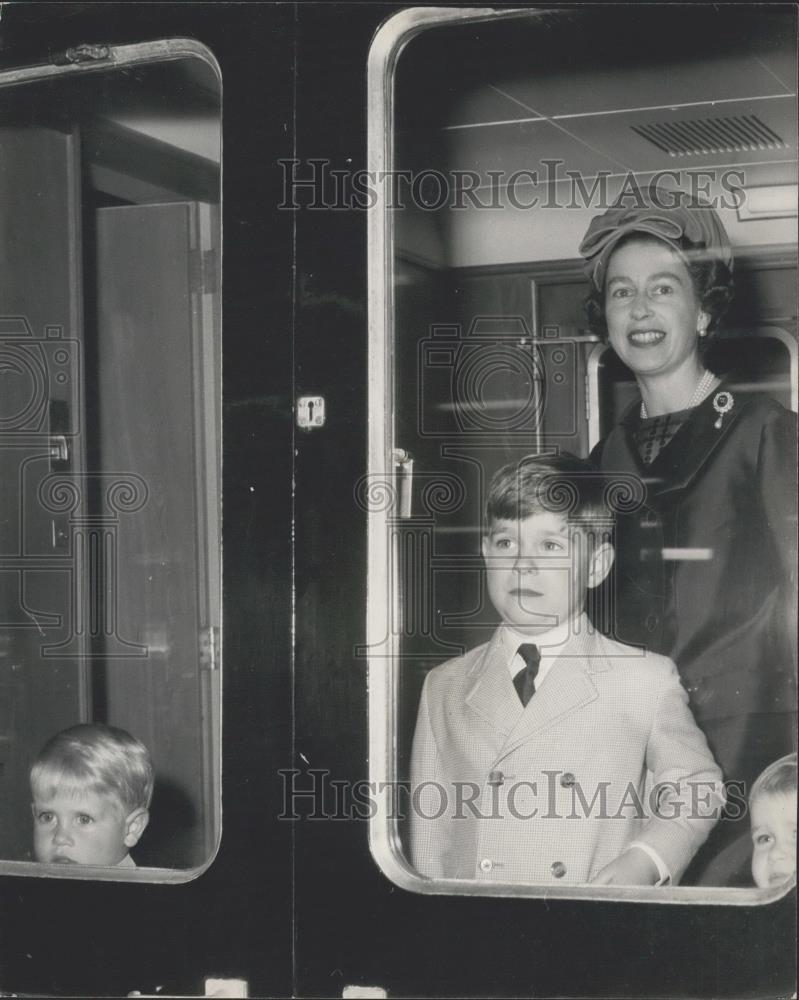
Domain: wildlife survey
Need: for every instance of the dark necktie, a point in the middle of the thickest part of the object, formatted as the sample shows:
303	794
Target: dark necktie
524	681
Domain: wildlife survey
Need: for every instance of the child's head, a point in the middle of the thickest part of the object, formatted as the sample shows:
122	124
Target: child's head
91	787
772	810
547	540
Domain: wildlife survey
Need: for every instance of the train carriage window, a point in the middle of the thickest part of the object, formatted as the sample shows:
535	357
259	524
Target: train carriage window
494	139
110	357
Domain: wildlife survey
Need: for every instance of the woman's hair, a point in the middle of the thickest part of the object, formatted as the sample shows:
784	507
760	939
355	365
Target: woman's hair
778	778
712	280
96	758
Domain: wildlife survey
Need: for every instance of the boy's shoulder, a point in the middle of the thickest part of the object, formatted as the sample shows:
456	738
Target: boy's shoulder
459	666
597	644
453	677
624	656
597	652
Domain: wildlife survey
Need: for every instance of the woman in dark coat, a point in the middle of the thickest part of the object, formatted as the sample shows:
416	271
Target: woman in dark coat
706	571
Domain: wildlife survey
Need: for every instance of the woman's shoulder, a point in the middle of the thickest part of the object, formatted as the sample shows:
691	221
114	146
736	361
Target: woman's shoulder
760	408
762	434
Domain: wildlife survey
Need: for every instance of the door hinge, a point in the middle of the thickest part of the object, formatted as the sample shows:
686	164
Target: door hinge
209	648
203	271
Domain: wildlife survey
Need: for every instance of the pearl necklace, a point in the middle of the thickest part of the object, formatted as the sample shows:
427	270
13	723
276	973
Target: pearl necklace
702	388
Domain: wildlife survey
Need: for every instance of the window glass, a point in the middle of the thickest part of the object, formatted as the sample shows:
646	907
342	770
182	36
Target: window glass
109	444
503	136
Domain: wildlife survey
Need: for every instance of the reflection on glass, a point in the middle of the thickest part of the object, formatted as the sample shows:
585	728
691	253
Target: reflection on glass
503	151
109	461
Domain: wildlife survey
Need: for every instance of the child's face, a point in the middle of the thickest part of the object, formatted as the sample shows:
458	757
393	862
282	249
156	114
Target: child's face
538	570
773	818
83	829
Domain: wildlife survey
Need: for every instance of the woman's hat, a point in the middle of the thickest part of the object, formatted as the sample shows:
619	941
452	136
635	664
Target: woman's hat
675	217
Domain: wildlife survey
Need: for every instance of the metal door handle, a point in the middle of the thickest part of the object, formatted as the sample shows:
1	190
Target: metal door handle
58	448
404	462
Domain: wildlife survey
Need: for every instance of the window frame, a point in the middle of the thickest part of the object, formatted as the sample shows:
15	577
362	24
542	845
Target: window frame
207	421
383	485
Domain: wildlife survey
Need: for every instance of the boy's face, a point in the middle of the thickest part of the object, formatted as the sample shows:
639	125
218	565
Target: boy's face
774	837
538	570
84	829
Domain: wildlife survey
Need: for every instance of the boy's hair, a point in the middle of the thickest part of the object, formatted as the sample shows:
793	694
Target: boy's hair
102	759
779	778
562	484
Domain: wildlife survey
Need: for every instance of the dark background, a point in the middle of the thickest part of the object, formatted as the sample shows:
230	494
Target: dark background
301	909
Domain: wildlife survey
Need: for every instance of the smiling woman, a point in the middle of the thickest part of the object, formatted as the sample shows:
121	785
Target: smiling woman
654	317
717	465
661	280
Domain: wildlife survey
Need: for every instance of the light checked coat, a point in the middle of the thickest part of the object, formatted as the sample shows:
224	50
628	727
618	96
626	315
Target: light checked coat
605	713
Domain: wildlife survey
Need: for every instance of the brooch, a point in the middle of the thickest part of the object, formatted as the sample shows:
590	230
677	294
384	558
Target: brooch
723	402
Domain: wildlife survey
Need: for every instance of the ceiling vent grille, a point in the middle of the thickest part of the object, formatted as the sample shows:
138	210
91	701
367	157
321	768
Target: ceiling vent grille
703	136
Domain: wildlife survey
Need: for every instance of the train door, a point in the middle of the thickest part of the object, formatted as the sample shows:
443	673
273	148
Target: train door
134	95
479	352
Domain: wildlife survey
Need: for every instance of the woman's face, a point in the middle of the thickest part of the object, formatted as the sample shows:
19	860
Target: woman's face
651	309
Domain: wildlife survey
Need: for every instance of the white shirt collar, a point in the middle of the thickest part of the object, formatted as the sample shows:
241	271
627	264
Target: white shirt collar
550	644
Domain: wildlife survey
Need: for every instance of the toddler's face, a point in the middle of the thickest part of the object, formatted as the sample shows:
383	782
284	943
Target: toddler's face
80	829
537	570
774	838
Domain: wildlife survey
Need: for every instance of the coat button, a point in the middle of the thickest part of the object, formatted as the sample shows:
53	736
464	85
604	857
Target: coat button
567	780
558	869
496	778
651	622
486	865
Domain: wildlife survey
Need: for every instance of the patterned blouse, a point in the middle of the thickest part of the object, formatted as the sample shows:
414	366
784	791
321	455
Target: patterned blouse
653	433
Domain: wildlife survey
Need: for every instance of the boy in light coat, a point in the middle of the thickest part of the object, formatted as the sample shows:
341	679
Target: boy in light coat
553	754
